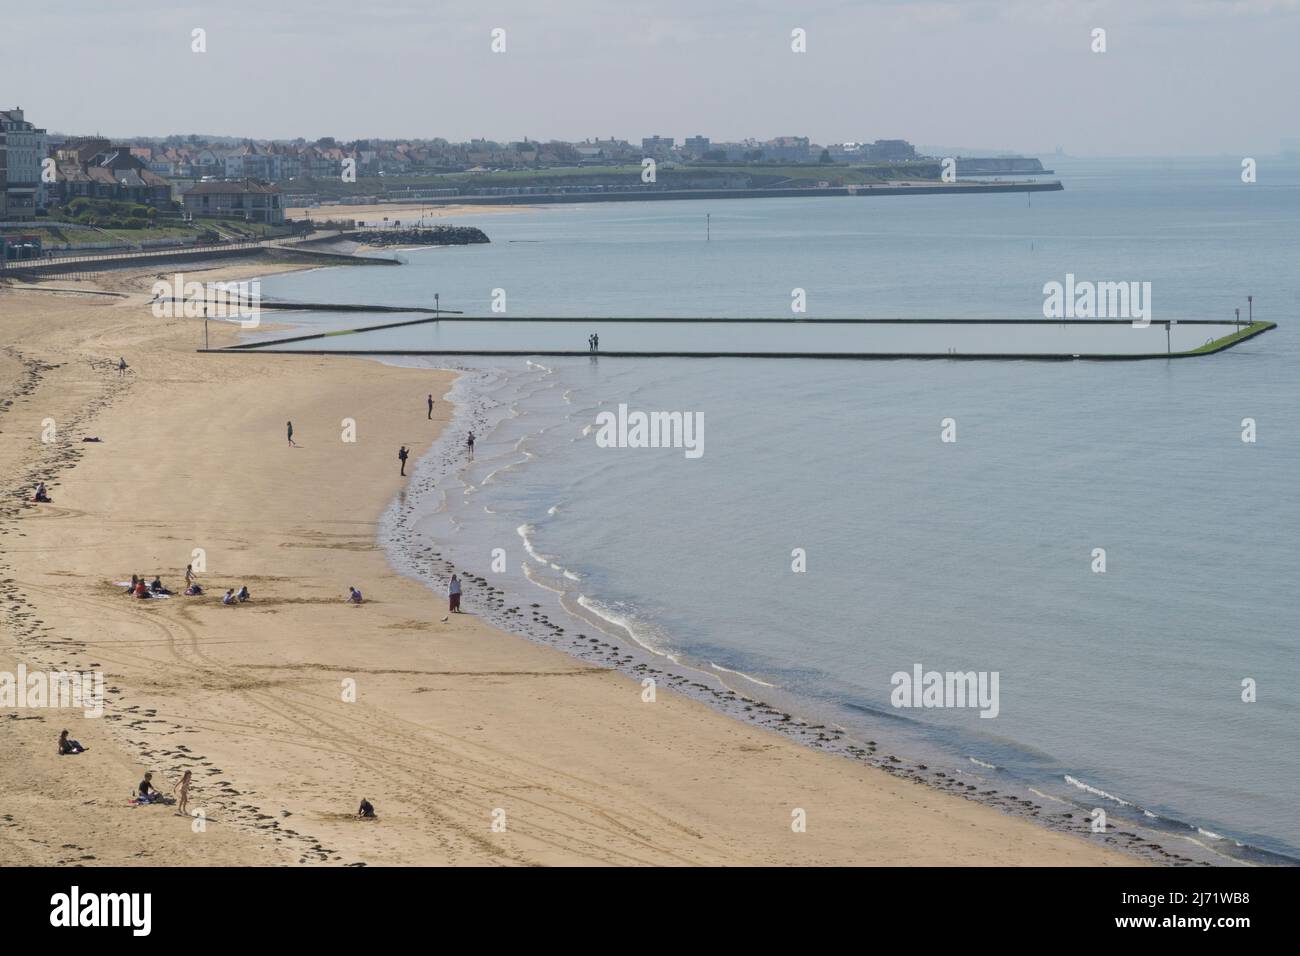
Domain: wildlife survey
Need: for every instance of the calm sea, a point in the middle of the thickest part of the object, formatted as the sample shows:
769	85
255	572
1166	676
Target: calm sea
1121	689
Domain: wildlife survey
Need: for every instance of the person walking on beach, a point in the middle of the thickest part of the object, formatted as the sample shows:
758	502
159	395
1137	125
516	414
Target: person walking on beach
289	426
189	574
453	594
121	366
469	443
430	407
402	453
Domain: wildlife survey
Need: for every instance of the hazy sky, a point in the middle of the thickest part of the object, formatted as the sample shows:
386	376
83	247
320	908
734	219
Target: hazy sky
1179	76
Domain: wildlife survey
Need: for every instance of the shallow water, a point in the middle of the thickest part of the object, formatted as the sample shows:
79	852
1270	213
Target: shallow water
975	554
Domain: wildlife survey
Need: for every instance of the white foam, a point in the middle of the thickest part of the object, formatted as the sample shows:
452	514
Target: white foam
1095	792
748	677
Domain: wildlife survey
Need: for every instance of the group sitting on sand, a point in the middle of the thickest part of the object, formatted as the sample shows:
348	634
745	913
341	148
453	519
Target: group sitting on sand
155	588
236	597
138	588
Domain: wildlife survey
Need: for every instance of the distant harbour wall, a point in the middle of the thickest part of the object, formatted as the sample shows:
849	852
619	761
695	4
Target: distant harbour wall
794	192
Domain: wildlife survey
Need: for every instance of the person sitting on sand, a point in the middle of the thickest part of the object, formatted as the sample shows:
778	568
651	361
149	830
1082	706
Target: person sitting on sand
184	787
156	586
243	594
230	597
69	746
354	596
41	494
194	589
148	792
142	589
366	811
134	581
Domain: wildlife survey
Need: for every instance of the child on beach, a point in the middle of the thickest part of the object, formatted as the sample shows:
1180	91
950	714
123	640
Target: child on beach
131	590
366	811
156	586
69	746
230	597
41	494
142	589
453	594
189	574
184	787
354	596
243	594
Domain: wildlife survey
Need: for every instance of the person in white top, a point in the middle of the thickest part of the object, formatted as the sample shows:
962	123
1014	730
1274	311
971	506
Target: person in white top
453	593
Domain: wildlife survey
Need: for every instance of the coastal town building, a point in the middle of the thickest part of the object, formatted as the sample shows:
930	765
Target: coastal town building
657	146
25	148
94	168
248	199
4	176
694	147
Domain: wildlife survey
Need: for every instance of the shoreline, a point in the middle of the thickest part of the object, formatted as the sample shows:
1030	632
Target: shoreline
917	756
453	719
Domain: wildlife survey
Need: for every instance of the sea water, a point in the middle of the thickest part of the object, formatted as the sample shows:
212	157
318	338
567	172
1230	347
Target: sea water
945	514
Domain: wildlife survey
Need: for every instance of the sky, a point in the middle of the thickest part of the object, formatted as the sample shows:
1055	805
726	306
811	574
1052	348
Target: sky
1202	77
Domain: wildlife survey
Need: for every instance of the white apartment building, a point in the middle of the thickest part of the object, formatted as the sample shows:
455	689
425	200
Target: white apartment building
25	146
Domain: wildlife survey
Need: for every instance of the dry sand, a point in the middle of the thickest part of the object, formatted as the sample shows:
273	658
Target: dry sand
453	721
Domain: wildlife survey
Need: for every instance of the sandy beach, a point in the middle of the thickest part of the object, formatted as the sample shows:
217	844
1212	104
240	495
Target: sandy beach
474	745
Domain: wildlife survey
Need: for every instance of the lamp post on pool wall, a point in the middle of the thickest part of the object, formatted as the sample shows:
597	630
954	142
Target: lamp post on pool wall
1238	323
1250	306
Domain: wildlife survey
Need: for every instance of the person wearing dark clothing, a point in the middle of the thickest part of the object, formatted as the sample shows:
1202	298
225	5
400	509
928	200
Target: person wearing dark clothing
289	425
431	406
402	454
148	792
69	746
366	811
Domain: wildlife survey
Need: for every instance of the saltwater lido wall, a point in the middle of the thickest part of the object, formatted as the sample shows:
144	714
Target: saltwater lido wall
967	339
